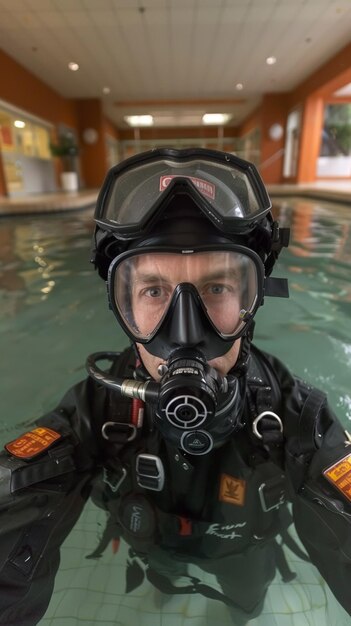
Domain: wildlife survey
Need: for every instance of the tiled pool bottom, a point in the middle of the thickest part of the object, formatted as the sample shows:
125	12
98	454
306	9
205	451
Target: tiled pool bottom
91	592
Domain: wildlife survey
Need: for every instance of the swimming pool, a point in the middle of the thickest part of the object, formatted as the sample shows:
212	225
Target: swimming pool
53	313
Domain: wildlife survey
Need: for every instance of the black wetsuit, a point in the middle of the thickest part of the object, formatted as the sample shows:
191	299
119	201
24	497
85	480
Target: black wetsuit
221	512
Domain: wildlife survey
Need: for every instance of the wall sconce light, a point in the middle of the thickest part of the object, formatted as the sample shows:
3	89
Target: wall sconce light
275	132
90	136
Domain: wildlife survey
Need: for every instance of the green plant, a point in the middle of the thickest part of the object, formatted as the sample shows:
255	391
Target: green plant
66	149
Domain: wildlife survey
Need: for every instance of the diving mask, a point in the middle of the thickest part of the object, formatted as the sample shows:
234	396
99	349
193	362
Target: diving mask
227	189
202	298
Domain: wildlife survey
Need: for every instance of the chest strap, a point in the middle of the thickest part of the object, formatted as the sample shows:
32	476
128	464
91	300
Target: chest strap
124	416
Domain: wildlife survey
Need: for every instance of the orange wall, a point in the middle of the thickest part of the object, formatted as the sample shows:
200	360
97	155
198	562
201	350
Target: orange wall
310	139
312	95
250	123
93	157
273	111
110	129
23	89
3	189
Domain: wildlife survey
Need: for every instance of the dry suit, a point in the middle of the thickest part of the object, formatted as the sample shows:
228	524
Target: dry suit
222	512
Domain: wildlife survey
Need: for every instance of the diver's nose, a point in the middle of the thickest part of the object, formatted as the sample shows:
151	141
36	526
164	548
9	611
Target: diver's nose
186	327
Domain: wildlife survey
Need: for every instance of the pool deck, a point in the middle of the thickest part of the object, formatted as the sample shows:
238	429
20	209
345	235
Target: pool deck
332	191
49	202
86	198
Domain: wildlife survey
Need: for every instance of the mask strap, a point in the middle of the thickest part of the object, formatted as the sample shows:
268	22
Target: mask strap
280	239
276	287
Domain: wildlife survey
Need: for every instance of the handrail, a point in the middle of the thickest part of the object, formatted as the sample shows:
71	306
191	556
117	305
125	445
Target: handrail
272	158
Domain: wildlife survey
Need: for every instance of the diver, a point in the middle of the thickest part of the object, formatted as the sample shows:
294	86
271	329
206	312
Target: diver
201	448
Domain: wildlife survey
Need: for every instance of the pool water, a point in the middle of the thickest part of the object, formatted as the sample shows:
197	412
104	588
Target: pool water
53	313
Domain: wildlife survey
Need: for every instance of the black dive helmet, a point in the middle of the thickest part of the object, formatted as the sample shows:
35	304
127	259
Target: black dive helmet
195	208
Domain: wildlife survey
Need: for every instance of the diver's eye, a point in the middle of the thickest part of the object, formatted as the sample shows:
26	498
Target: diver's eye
217	289
153	292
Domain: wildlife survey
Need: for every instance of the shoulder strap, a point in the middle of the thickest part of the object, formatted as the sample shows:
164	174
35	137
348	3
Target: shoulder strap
300	425
119	407
261	374
308	439
121	424
264	406
121	419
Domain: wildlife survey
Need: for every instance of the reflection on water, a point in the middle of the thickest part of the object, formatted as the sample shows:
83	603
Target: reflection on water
311	331
37	252
53	306
54	312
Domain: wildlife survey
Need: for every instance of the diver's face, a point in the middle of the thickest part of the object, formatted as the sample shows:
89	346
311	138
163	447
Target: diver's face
216	278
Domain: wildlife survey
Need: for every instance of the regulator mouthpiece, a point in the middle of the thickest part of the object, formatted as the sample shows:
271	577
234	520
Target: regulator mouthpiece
188	401
195	408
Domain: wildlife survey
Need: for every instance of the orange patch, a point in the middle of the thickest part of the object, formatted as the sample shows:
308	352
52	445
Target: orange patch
232	490
339	475
32	443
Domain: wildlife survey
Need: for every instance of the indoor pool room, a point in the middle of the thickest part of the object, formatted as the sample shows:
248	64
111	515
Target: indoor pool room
175	313
54	313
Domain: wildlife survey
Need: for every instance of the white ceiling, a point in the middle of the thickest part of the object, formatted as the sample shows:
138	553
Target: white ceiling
177	57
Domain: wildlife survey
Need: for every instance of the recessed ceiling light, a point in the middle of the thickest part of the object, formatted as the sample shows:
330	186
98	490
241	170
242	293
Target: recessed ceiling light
73	66
239	86
139	120
106	90
215	118
19	124
271	60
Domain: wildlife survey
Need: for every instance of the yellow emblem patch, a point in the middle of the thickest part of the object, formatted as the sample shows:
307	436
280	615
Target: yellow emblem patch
32	443
339	475
232	490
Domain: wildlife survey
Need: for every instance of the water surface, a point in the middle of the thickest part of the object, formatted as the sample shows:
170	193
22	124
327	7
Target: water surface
53	313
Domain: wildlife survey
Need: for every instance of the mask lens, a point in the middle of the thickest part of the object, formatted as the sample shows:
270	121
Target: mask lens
227	188
226	282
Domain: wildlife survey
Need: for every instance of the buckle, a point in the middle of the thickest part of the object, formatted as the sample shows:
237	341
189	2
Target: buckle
150	472
260	417
272	494
112	479
118	429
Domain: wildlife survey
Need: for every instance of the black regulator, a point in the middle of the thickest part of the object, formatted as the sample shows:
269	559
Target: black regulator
195	407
